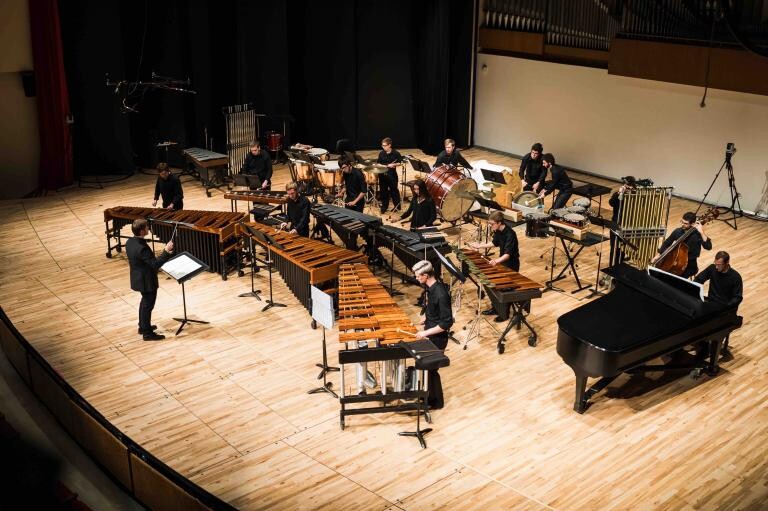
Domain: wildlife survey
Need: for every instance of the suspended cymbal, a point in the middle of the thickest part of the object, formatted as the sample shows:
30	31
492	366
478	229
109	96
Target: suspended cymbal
492	184
374	168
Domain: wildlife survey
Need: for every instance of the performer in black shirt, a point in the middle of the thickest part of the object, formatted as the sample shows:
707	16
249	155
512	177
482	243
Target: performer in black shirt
615	203
298	211
695	241
168	187
531	170
451	156
422	207
560	182
354	187
437	321
144	266
725	285
258	163
509	254
388	182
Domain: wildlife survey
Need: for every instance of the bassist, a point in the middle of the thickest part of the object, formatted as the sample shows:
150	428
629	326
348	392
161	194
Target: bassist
695	241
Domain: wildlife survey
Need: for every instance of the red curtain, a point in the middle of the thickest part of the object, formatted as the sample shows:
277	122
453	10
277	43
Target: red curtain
56	168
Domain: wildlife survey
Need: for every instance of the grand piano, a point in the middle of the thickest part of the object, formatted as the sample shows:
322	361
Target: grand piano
646	316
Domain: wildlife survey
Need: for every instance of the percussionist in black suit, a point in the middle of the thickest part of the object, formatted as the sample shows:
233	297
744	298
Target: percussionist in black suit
388	181
437	321
144	267
258	163
451	156
505	238
354	187
560	182
531	170
298	211
168	187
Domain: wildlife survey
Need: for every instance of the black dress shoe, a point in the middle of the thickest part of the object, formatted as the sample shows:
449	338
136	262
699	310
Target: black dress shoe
154	327
489	312
153	337
500	320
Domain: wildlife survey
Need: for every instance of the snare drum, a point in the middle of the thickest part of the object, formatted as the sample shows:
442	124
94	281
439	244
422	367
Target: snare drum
442	184
319	152
274	141
536	225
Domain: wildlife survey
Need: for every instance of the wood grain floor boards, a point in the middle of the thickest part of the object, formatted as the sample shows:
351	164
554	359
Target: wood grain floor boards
226	404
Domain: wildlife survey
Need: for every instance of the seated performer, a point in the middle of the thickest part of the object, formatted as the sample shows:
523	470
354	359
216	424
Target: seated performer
353	188
615	203
509	254
168	187
298	211
560	182
451	156
258	163
696	241
144	266
388	182
531	170
437	321
422	207
725	285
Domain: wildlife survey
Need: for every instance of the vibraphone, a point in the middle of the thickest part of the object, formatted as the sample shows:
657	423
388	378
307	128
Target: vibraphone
212	239
346	223
302	262
210	166
503	286
410	247
368	314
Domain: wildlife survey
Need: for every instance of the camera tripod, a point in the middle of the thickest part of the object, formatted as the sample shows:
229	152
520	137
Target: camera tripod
735	207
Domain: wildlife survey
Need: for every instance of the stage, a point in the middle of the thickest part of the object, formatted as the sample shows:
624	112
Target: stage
226	404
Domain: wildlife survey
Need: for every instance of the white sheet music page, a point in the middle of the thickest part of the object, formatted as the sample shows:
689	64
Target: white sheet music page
180	266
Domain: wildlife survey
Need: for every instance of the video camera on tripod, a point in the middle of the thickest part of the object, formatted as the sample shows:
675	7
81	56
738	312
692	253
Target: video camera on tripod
730	148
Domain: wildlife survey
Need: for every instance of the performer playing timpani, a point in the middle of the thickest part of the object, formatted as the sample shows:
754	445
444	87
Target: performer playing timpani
437	320
509	253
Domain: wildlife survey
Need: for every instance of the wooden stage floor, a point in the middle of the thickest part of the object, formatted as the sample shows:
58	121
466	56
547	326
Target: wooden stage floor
226	404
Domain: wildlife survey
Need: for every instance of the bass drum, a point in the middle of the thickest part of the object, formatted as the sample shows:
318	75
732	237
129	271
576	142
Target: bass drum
443	184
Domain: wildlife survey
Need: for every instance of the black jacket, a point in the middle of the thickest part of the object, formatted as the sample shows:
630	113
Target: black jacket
560	180
170	190
298	215
455	159
260	166
531	170
424	213
144	265
506	240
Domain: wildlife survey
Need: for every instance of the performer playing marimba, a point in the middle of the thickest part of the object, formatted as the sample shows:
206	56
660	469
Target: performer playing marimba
298	211
258	163
437	320
168	187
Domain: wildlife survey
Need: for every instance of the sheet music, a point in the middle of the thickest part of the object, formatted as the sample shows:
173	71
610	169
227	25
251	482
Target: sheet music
180	266
322	307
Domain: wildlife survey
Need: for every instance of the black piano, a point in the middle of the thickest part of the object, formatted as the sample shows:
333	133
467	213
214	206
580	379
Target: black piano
645	317
346	223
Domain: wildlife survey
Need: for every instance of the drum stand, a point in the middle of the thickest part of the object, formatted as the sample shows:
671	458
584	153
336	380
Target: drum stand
324	368
270	303
474	331
550	284
253	292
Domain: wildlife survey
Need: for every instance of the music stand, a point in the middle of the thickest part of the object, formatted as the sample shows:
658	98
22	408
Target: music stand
493	176
270	242
455	275
322	312
182	268
253	292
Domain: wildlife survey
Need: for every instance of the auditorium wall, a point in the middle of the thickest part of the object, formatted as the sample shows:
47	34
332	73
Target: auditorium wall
615	126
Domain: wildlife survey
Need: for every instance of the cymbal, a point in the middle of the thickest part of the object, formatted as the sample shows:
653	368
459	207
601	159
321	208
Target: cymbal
375	169
492	184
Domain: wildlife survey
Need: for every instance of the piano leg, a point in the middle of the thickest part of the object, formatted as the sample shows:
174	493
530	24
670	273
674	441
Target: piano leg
715	347
580	403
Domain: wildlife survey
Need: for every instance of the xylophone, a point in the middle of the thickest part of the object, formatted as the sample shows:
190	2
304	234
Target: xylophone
211	238
369	316
209	165
302	262
262	200
504	286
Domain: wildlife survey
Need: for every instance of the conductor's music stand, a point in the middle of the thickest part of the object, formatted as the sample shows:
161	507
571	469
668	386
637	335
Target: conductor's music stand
182	268
270	242
322	312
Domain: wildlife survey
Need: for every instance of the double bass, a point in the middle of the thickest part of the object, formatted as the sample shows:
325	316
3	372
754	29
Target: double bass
675	258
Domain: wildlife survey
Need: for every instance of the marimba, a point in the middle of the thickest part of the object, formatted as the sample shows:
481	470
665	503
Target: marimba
211	237
505	287
302	262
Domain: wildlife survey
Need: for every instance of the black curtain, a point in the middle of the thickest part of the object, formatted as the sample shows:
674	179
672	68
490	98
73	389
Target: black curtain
322	70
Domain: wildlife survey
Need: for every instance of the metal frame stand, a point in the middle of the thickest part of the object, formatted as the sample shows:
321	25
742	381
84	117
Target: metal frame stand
419	433
736	212
185	319
474	331
270	303
253	292
324	368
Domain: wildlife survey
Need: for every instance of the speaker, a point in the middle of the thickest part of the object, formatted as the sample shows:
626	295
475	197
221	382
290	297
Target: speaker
28	82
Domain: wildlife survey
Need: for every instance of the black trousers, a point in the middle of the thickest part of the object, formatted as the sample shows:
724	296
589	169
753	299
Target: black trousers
435	387
145	311
562	199
388	189
180	205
